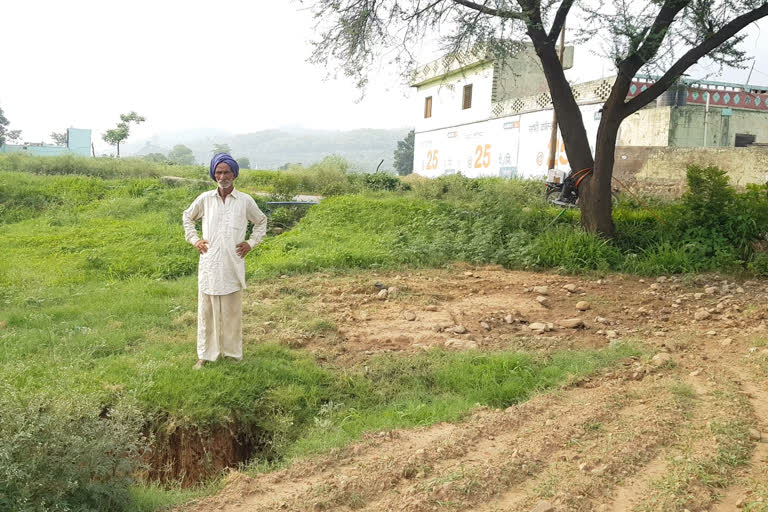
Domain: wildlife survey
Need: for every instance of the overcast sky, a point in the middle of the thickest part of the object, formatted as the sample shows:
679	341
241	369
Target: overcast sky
233	65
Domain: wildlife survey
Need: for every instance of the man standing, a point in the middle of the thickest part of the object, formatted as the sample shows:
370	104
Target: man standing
225	213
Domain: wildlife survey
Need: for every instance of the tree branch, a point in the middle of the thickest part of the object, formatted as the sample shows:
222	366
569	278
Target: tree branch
419	12
653	38
562	14
512	15
691	57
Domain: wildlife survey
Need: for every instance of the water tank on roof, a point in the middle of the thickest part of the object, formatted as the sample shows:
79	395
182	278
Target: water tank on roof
677	95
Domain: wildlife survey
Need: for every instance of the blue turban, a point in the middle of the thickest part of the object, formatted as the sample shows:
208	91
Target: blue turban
224	158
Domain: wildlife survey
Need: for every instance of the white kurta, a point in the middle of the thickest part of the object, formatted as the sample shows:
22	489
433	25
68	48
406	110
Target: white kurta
220	270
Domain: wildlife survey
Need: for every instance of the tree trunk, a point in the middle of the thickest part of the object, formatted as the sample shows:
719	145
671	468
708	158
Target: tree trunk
118	149
595	191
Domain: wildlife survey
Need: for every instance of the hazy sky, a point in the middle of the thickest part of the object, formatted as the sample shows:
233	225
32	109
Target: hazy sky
233	65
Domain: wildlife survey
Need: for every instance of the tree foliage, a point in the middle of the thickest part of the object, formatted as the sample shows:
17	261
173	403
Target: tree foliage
244	162
181	155
60	139
663	36
5	133
403	158
221	148
117	135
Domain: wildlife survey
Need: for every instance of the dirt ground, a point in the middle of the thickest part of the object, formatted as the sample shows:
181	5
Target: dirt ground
685	428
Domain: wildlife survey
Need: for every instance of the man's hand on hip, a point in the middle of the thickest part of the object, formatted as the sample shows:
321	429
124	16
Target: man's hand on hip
201	246
242	249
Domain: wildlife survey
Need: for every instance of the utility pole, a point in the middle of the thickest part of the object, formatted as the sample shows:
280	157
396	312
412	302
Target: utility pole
553	135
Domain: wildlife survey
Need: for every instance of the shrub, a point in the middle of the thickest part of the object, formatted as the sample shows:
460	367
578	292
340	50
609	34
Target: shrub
573	250
59	455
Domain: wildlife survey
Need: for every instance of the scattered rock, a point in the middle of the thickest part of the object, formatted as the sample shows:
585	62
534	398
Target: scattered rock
537	326
698	295
695	373
711	333
702	314
541	290
393	291
661	358
570	287
410	316
726	342
509	319
382	294
485	326
611	334
572	323
661	279
654	286
602	320
460	344
755	435
459	329
739	290
468	274
431	307
660	334
710	290
543	506
583	305
544	301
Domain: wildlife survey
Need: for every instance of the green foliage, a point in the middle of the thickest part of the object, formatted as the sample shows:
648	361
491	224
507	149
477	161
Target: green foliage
60	452
60	139
244	162
181	155
221	148
403	157
117	135
6	134
573	250
157	158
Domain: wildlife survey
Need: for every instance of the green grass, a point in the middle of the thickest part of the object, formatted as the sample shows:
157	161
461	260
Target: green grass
98	293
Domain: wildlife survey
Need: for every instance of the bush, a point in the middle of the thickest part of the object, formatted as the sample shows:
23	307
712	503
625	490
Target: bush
60	455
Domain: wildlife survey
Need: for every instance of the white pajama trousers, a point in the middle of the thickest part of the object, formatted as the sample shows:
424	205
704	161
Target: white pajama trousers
219	325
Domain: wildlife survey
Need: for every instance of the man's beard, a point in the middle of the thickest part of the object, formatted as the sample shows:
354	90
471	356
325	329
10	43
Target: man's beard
225	184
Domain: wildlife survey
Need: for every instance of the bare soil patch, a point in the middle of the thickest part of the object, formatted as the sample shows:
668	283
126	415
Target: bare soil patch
672	432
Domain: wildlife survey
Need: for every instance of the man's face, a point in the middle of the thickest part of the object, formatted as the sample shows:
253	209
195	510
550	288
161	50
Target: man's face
224	175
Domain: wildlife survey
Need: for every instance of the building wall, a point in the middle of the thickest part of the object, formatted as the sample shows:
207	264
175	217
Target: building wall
447	95
646	127
78	143
687	126
511	146
661	171
522	75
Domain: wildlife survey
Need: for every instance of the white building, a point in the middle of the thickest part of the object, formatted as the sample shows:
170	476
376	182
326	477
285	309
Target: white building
486	117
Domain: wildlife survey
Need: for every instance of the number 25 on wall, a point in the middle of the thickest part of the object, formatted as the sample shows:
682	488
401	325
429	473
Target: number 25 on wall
431	160
483	156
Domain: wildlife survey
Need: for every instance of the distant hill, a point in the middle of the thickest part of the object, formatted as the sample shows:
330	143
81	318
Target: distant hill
269	149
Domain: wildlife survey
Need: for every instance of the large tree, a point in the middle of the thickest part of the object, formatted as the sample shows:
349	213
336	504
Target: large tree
660	36
5	133
181	155
117	135
60	139
403	157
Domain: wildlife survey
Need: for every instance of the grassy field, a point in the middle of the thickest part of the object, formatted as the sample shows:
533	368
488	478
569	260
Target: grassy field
98	293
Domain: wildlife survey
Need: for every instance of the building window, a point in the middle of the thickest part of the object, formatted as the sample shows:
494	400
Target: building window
743	140
467	102
427	107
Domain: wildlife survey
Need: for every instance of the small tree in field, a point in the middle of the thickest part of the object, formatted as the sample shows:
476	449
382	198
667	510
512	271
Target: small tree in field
117	135
5	134
661	36
404	154
60	139
244	162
